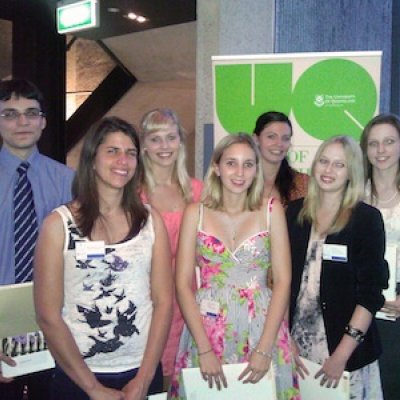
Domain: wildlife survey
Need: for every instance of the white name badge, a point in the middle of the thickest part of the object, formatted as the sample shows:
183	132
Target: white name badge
90	250
334	252
209	308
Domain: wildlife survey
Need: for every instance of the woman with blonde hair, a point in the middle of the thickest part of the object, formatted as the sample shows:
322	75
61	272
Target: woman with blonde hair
233	236
380	142
337	245
168	187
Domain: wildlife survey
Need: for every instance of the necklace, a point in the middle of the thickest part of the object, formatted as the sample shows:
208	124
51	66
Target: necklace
387	201
233	221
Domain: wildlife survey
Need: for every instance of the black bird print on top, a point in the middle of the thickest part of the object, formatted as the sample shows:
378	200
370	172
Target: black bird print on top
107	312
125	327
109	309
93	317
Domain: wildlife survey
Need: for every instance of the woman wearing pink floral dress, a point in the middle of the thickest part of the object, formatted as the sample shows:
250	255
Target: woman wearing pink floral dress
234	237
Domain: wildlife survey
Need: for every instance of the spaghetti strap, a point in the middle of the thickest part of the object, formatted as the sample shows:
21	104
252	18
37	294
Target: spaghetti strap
201	212
269	210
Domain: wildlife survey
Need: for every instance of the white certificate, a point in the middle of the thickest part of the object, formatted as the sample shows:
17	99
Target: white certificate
196	387
390	292
158	396
310	388
20	336
17	312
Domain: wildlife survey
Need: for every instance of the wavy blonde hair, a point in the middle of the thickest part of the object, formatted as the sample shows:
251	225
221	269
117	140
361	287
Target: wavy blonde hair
353	192
212	194
158	120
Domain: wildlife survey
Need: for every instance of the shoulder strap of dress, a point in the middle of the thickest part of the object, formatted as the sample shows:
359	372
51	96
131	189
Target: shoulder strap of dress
201	212
269	211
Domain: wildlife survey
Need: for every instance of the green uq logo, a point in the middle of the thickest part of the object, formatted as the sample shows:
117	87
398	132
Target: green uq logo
331	97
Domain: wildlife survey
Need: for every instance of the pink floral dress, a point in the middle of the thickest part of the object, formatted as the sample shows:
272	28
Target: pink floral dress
237	281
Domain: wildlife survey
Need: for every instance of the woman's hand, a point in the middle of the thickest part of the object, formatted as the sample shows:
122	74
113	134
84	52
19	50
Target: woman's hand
256	369
392	308
136	389
211	370
9	361
300	367
101	392
331	372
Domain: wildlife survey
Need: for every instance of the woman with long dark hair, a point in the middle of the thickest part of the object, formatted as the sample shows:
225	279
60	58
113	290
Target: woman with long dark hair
102	276
273	133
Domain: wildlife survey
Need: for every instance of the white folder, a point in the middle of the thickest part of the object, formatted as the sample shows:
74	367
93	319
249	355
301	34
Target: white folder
158	396
17	312
310	388
196	387
17	318
390	292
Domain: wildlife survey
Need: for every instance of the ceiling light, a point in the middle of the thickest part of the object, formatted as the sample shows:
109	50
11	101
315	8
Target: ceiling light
113	9
131	15
141	19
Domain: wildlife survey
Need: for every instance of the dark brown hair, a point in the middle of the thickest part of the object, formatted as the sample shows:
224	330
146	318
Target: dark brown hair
20	88
285	178
84	187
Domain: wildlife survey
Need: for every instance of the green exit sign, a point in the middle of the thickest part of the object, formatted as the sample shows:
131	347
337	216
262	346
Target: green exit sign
77	16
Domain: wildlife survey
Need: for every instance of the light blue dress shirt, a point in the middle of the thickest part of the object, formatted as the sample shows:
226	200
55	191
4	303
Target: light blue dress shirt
51	185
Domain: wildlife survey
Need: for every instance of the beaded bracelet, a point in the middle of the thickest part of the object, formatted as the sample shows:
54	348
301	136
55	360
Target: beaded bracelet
355	333
205	352
263	353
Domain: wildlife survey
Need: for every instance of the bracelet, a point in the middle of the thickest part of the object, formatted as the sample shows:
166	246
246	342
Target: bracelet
205	352
355	333
263	353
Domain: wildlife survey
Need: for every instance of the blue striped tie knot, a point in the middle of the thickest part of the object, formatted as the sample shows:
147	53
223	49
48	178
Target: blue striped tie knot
25	226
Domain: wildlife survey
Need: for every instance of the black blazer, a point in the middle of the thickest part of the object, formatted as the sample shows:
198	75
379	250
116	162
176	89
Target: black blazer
358	281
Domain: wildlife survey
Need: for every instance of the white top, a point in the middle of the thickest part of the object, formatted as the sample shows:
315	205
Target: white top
391	219
107	301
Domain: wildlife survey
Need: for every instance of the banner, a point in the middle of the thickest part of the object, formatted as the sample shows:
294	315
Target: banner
324	94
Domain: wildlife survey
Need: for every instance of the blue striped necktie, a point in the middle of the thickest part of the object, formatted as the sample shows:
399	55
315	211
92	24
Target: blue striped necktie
25	226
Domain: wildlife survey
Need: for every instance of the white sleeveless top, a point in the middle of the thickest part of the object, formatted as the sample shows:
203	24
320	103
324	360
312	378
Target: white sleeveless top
107	302
391	219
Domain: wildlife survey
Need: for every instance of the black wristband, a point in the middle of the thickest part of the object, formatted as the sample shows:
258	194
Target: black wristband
355	333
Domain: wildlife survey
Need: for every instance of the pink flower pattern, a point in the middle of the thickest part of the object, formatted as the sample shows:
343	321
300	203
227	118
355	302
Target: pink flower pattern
237	281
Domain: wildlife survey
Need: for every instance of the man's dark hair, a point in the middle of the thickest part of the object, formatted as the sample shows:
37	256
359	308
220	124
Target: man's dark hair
20	88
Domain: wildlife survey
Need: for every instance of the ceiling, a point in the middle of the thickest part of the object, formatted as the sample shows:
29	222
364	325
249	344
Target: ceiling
159	13
163	46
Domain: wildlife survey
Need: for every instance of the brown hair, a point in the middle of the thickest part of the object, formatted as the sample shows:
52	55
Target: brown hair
84	187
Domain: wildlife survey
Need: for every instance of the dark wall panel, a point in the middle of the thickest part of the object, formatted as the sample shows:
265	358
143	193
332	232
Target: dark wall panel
39	55
344	25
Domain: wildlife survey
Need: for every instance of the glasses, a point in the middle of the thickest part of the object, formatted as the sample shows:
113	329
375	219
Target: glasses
30	113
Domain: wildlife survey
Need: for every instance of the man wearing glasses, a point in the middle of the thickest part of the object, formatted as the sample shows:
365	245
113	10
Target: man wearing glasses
31	186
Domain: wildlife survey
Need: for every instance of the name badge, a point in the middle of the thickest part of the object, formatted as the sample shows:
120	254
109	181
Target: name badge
209	308
334	252
90	250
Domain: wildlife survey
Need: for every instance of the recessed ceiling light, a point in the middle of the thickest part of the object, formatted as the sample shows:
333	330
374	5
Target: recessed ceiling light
113	9
141	19
131	15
